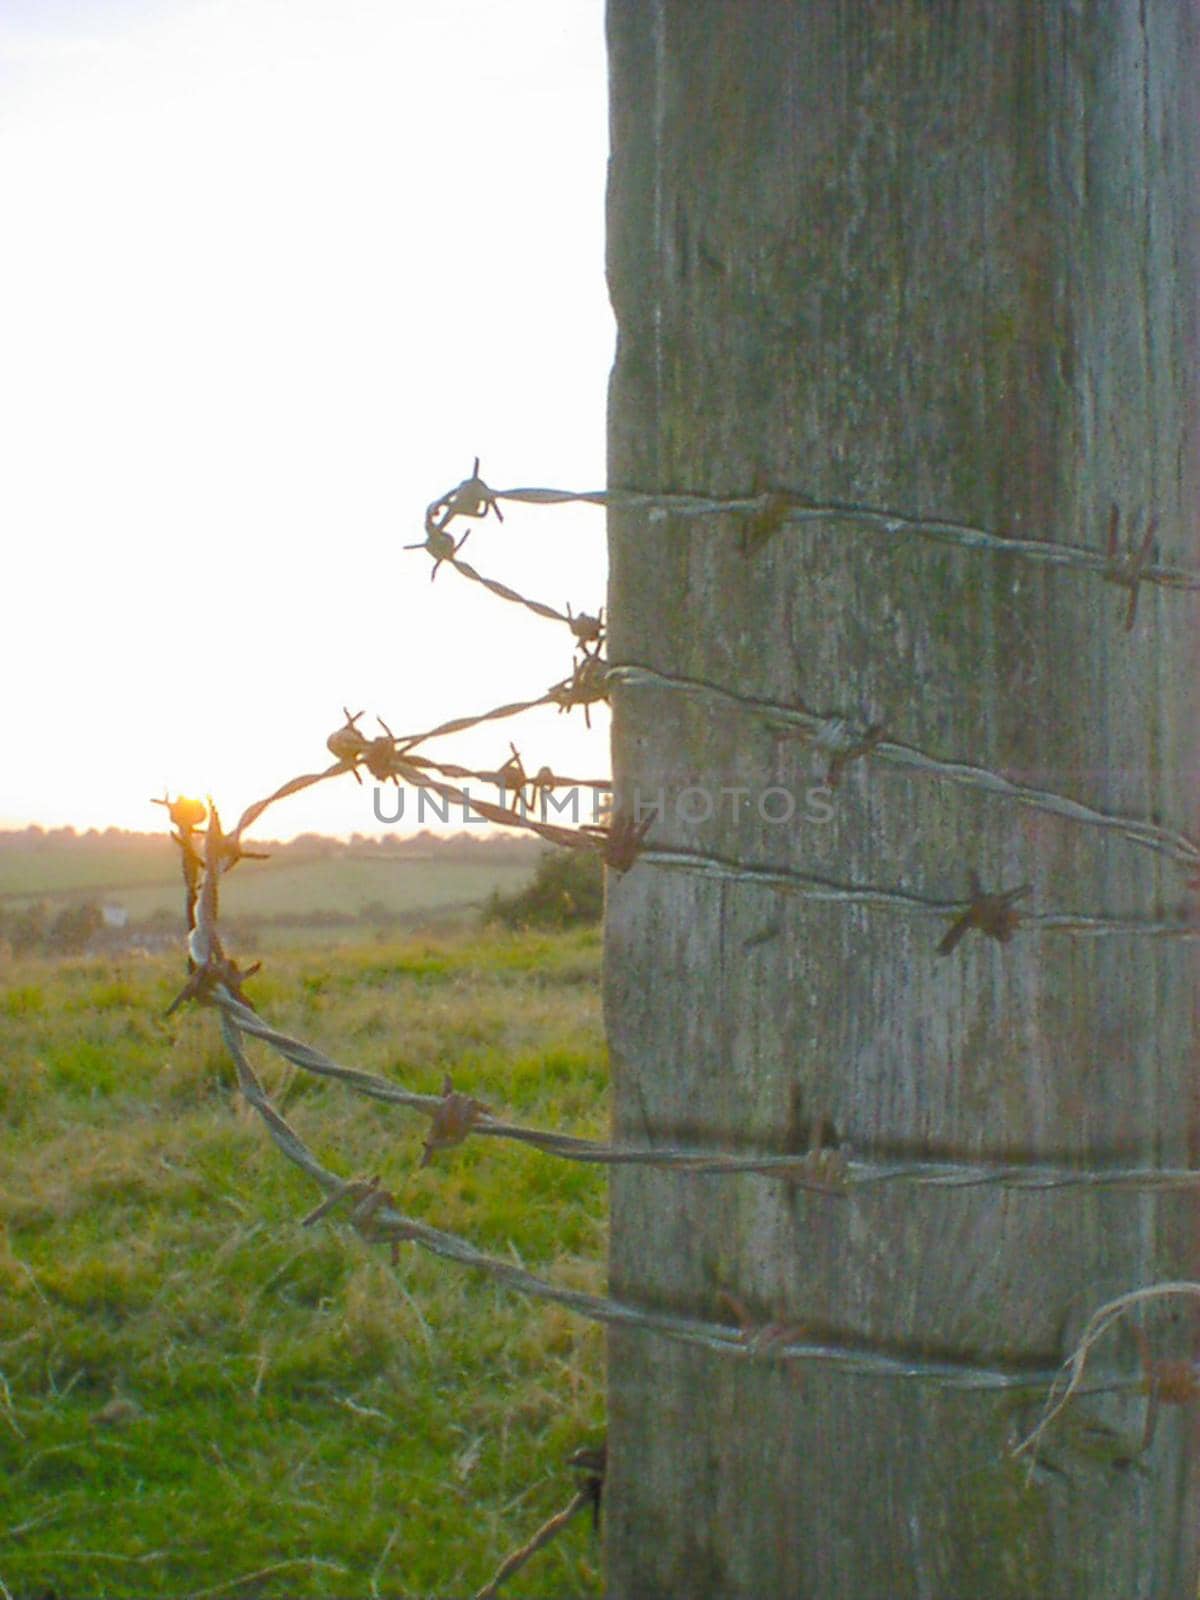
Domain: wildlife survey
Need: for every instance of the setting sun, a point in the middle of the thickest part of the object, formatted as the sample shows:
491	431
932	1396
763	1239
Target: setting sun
273	276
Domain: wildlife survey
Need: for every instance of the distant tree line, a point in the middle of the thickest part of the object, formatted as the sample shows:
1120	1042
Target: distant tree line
36	930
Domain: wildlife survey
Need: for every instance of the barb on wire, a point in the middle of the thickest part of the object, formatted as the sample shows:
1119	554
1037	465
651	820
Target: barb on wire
348	743
352	747
801	721
993	914
761	525
1164	1382
186	815
587	630
587	685
441	546
622	839
843	742
380	754
761	1337
209	968
471	498
350	1193
592	1463
453	1120
543	781
1127	568
573	838
511	777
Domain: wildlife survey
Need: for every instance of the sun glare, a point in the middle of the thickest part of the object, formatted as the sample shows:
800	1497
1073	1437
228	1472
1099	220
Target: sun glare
273	275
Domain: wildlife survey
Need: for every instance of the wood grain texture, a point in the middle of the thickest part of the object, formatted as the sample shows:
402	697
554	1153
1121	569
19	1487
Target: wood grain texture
941	258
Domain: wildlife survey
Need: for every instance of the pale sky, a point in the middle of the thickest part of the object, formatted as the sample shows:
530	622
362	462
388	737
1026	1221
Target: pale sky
272	273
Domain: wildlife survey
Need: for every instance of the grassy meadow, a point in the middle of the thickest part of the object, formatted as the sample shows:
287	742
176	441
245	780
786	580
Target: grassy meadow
312	891
199	1397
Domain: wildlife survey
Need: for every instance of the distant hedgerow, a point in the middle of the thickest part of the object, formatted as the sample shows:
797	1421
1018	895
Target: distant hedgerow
567	890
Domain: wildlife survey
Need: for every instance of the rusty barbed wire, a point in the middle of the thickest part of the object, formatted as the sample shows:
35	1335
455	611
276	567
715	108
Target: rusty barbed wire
473	498
577	838
810	725
186	816
814	887
214	976
1173	1381
993	914
505	592
393	756
389	756
1127	567
373	1214
821	1169
460	724
384	1223
771	509
592	1465
543	780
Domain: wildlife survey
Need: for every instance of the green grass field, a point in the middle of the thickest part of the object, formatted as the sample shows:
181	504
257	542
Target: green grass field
144	878
403	888
199	1397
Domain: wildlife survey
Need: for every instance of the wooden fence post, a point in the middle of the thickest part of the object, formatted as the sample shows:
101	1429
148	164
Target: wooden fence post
941	259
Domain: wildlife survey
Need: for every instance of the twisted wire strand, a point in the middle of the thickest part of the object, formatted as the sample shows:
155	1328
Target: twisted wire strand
804	1171
460	724
572	838
581	1500
798	510
808	724
821	889
386	1222
504	592
449	770
294	785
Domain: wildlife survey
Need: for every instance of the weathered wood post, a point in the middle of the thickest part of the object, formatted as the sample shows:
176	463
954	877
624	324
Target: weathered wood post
937	258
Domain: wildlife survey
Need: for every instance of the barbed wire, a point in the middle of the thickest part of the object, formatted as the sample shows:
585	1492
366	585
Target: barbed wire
1174	1381
833	1171
373	1214
587	1497
822	1169
814	887
513	779
775	508
506	593
461	724
825	731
